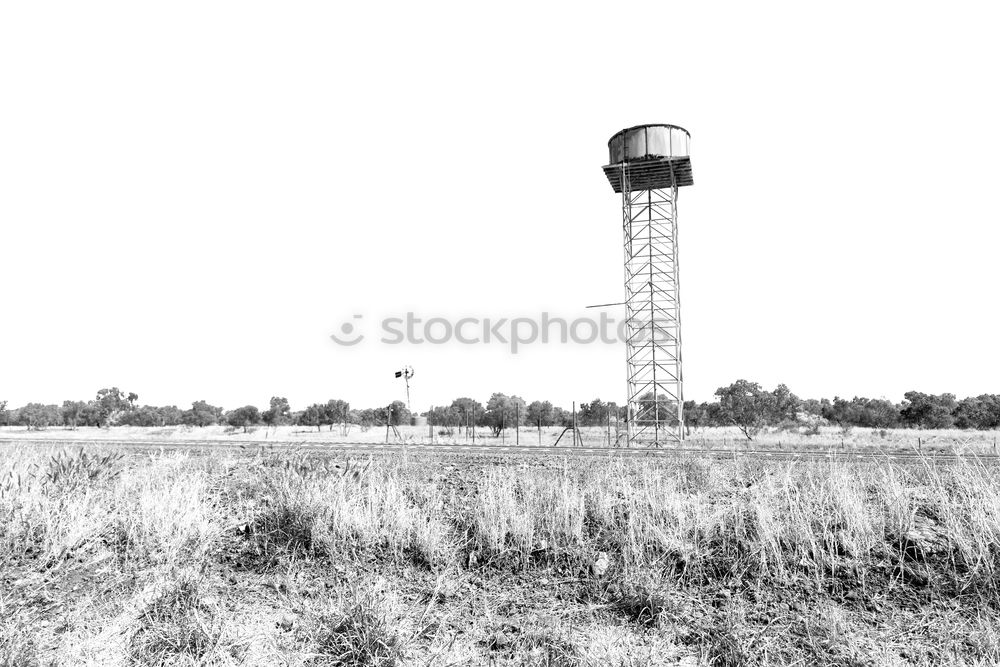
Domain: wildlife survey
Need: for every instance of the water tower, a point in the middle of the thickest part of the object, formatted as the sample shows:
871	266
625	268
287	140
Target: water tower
647	164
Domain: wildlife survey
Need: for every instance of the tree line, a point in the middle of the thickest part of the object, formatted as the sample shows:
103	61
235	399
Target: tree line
114	407
743	404
750	407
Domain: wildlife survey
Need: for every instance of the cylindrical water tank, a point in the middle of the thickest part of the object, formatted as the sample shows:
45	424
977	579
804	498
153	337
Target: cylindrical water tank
649	141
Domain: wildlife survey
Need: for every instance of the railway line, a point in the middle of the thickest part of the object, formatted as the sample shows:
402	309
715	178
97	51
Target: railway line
249	447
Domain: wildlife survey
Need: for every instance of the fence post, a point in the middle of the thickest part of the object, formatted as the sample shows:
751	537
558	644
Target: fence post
574	423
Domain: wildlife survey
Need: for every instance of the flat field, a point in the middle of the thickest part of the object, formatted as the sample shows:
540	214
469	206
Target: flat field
716	439
282	556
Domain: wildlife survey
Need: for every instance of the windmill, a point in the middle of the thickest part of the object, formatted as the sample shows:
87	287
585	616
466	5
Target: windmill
406	374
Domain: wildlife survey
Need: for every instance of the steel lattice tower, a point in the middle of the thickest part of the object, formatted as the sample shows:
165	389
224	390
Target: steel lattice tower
648	164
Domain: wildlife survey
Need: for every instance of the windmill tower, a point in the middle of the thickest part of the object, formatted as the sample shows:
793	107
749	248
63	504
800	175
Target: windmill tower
647	165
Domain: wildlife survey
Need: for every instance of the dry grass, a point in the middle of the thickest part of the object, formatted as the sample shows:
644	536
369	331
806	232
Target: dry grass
176	625
286	558
528	516
313	511
359	627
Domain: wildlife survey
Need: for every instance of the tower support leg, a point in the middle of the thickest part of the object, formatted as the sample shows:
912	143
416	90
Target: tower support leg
652	317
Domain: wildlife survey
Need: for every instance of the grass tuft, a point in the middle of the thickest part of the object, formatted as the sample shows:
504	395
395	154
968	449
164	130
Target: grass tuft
17	645
66	470
358	629
175	625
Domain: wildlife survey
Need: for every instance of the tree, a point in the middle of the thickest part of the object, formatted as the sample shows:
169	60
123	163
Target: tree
562	417
399	414
244	417
860	411
816	407
38	416
336	411
279	413
147	415
311	416
540	413
496	412
314	415
468	409
980	412
745	405
928	411
202	414
594	413
503	411
666	410
366	417
72	411
3	411
90	415
171	415
443	415
695	415
784	405
112	403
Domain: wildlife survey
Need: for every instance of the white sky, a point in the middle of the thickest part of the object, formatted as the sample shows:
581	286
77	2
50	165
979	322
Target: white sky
194	195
